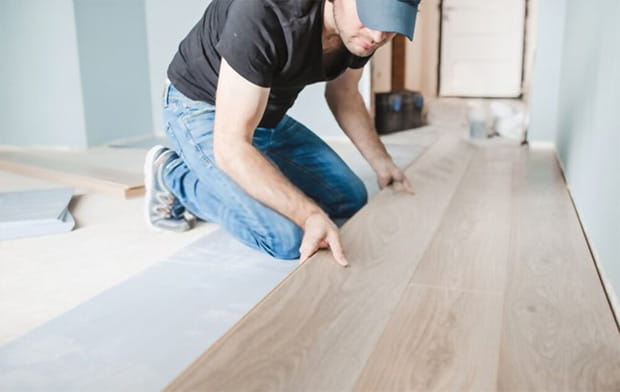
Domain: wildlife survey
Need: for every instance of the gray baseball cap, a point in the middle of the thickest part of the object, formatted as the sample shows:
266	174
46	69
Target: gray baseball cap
395	16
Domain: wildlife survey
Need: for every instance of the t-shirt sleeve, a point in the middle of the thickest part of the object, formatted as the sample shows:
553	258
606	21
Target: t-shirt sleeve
252	41
359	62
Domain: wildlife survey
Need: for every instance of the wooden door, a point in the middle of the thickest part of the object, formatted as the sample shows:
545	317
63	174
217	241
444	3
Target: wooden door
482	48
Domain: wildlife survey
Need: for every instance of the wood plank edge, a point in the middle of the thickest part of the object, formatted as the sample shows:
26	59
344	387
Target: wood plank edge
72	179
135	191
410	283
190	369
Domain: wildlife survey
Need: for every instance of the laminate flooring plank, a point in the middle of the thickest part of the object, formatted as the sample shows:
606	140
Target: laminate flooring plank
470	250
315	331
438	340
558	330
69	170
445	332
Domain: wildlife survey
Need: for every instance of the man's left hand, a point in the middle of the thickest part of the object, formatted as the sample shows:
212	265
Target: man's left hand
388	174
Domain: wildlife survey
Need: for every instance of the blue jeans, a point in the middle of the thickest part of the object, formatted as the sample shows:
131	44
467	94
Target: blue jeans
211	195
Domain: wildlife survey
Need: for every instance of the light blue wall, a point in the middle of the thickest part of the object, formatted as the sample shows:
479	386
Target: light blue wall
546	78
86	72
41	97
114	67
168	22
586	125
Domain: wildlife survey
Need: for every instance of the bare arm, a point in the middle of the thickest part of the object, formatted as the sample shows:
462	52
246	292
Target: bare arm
346	103
240	105
348	107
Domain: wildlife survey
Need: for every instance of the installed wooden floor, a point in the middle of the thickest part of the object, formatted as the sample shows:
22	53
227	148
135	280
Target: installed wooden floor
481	281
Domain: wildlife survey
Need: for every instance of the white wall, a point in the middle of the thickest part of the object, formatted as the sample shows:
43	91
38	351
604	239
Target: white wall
311	108
41	94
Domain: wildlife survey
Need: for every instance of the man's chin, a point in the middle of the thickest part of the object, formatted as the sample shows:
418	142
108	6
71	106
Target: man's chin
359	51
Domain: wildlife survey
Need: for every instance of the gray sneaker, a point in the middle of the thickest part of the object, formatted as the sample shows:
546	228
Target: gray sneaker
162	209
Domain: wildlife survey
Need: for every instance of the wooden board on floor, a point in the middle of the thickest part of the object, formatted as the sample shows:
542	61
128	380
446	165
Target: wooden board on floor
69	169
558	330
445	332
316	329
482	281
554	331
438	340
470	250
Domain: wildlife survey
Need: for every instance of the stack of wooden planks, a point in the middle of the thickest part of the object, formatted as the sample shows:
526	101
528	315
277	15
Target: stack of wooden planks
481	281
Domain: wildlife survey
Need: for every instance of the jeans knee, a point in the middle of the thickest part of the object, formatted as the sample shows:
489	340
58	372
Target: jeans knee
360	196
283	241
357	197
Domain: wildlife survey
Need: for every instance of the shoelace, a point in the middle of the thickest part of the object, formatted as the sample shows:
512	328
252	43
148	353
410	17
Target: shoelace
165	204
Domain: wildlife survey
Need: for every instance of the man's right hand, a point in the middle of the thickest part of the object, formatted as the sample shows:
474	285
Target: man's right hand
320	233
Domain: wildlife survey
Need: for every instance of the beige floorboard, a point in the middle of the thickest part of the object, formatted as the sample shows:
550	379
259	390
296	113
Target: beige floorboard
558	330
470	250
438	340
444	334
316	329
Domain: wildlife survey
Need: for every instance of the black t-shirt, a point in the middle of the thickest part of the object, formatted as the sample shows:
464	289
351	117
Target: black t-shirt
271	43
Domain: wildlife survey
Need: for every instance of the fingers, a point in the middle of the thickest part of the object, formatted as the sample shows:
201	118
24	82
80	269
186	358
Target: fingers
408	186
309	246
306	254
320	232
401	182
336	247
384	181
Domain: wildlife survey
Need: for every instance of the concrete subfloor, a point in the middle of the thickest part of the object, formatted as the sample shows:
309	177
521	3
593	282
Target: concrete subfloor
58	294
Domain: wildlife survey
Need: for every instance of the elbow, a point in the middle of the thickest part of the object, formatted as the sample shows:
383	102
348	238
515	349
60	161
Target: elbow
221	153
333	100
332	95
339	97
226	151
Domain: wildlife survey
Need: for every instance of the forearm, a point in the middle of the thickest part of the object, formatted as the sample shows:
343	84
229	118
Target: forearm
265	182
353	117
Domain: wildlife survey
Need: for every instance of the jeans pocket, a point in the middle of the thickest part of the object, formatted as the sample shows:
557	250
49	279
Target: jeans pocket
198	116
197	134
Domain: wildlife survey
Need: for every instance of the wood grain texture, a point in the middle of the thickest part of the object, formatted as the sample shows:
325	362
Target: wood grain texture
69	170
558	330
438	340
481	281
470	250
445	332
316	330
